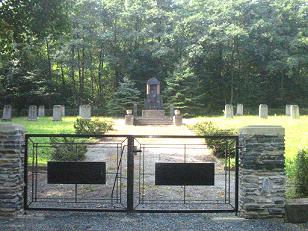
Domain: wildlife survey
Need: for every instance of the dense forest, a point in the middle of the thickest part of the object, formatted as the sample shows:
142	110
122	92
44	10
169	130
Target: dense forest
205	53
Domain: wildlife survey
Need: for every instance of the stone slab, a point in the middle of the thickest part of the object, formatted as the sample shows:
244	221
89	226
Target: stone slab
297	210
263	130
8	128
153	113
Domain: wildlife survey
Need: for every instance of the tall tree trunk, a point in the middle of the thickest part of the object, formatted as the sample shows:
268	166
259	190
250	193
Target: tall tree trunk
48	60
101	69
79	77
62	76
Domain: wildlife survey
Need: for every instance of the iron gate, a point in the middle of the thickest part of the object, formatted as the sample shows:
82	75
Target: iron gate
131	173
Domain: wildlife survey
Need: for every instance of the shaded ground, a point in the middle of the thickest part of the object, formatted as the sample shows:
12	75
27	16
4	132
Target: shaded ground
66	221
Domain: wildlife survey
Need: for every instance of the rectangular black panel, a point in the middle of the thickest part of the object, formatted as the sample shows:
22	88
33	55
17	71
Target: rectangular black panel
184	173
76	172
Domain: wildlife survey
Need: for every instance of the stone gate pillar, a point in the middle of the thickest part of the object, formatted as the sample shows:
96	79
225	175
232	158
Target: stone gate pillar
11	169
261	172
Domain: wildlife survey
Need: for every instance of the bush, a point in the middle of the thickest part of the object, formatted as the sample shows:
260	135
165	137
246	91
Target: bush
67	149
219	146
93	126
301	173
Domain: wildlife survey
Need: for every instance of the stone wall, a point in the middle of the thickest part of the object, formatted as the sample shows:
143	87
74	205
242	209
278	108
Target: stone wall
11	169
261	172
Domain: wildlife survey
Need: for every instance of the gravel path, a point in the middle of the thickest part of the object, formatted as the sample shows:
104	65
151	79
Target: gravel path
62	221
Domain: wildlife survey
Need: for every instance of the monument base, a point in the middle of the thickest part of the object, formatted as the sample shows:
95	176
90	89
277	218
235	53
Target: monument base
153	117
153	113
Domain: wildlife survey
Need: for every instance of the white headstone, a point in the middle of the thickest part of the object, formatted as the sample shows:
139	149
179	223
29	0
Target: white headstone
263	111
295	111
7	112
63	110
239	109
288	110
57	112
85	111
32	112
41	111
129	112
229	111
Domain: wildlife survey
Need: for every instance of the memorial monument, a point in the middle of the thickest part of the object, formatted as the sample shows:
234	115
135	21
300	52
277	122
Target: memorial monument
153	112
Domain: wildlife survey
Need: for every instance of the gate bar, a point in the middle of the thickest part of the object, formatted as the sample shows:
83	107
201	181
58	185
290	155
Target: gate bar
130	174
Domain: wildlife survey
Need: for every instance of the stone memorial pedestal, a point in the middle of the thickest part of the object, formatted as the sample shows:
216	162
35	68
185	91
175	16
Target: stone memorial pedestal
32	114
229	111
177	118
7	112
57	112
263	111
85	111
129	120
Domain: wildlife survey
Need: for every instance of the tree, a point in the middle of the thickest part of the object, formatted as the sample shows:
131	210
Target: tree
124	98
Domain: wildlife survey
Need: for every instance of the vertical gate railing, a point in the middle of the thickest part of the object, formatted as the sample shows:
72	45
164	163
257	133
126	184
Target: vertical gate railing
131	173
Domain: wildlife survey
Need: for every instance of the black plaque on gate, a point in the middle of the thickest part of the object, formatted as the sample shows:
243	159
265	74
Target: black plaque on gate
184	173
76	172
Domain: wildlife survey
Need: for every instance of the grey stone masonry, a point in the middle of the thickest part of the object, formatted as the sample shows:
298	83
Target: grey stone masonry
32	113
239	109
7	112
57	113
129	120
229	111
288	110
261	172
11	169
263	111
41	111
294	111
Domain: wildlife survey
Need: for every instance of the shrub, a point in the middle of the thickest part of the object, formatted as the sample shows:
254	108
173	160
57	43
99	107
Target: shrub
67	149
301	173
93	126
219	146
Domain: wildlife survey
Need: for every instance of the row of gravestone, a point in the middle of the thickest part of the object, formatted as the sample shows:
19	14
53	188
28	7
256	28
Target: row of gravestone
291	110
58	112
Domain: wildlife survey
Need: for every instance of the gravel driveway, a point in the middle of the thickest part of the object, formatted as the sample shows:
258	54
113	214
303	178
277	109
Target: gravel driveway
62	221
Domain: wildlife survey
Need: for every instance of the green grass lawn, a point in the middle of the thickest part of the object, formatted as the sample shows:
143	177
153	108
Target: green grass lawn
296	130
46	125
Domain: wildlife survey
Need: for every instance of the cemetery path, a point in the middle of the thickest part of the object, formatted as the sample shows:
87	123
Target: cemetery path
62	221
121	128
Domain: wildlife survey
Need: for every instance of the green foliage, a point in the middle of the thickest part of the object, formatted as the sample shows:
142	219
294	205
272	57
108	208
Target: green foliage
123	98
204	53
92	126
219	146
301	173
67	149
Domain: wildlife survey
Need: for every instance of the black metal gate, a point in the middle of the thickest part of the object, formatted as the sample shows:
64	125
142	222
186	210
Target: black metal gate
131	173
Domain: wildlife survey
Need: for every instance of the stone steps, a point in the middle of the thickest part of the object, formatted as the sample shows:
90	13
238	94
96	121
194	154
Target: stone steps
153	121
